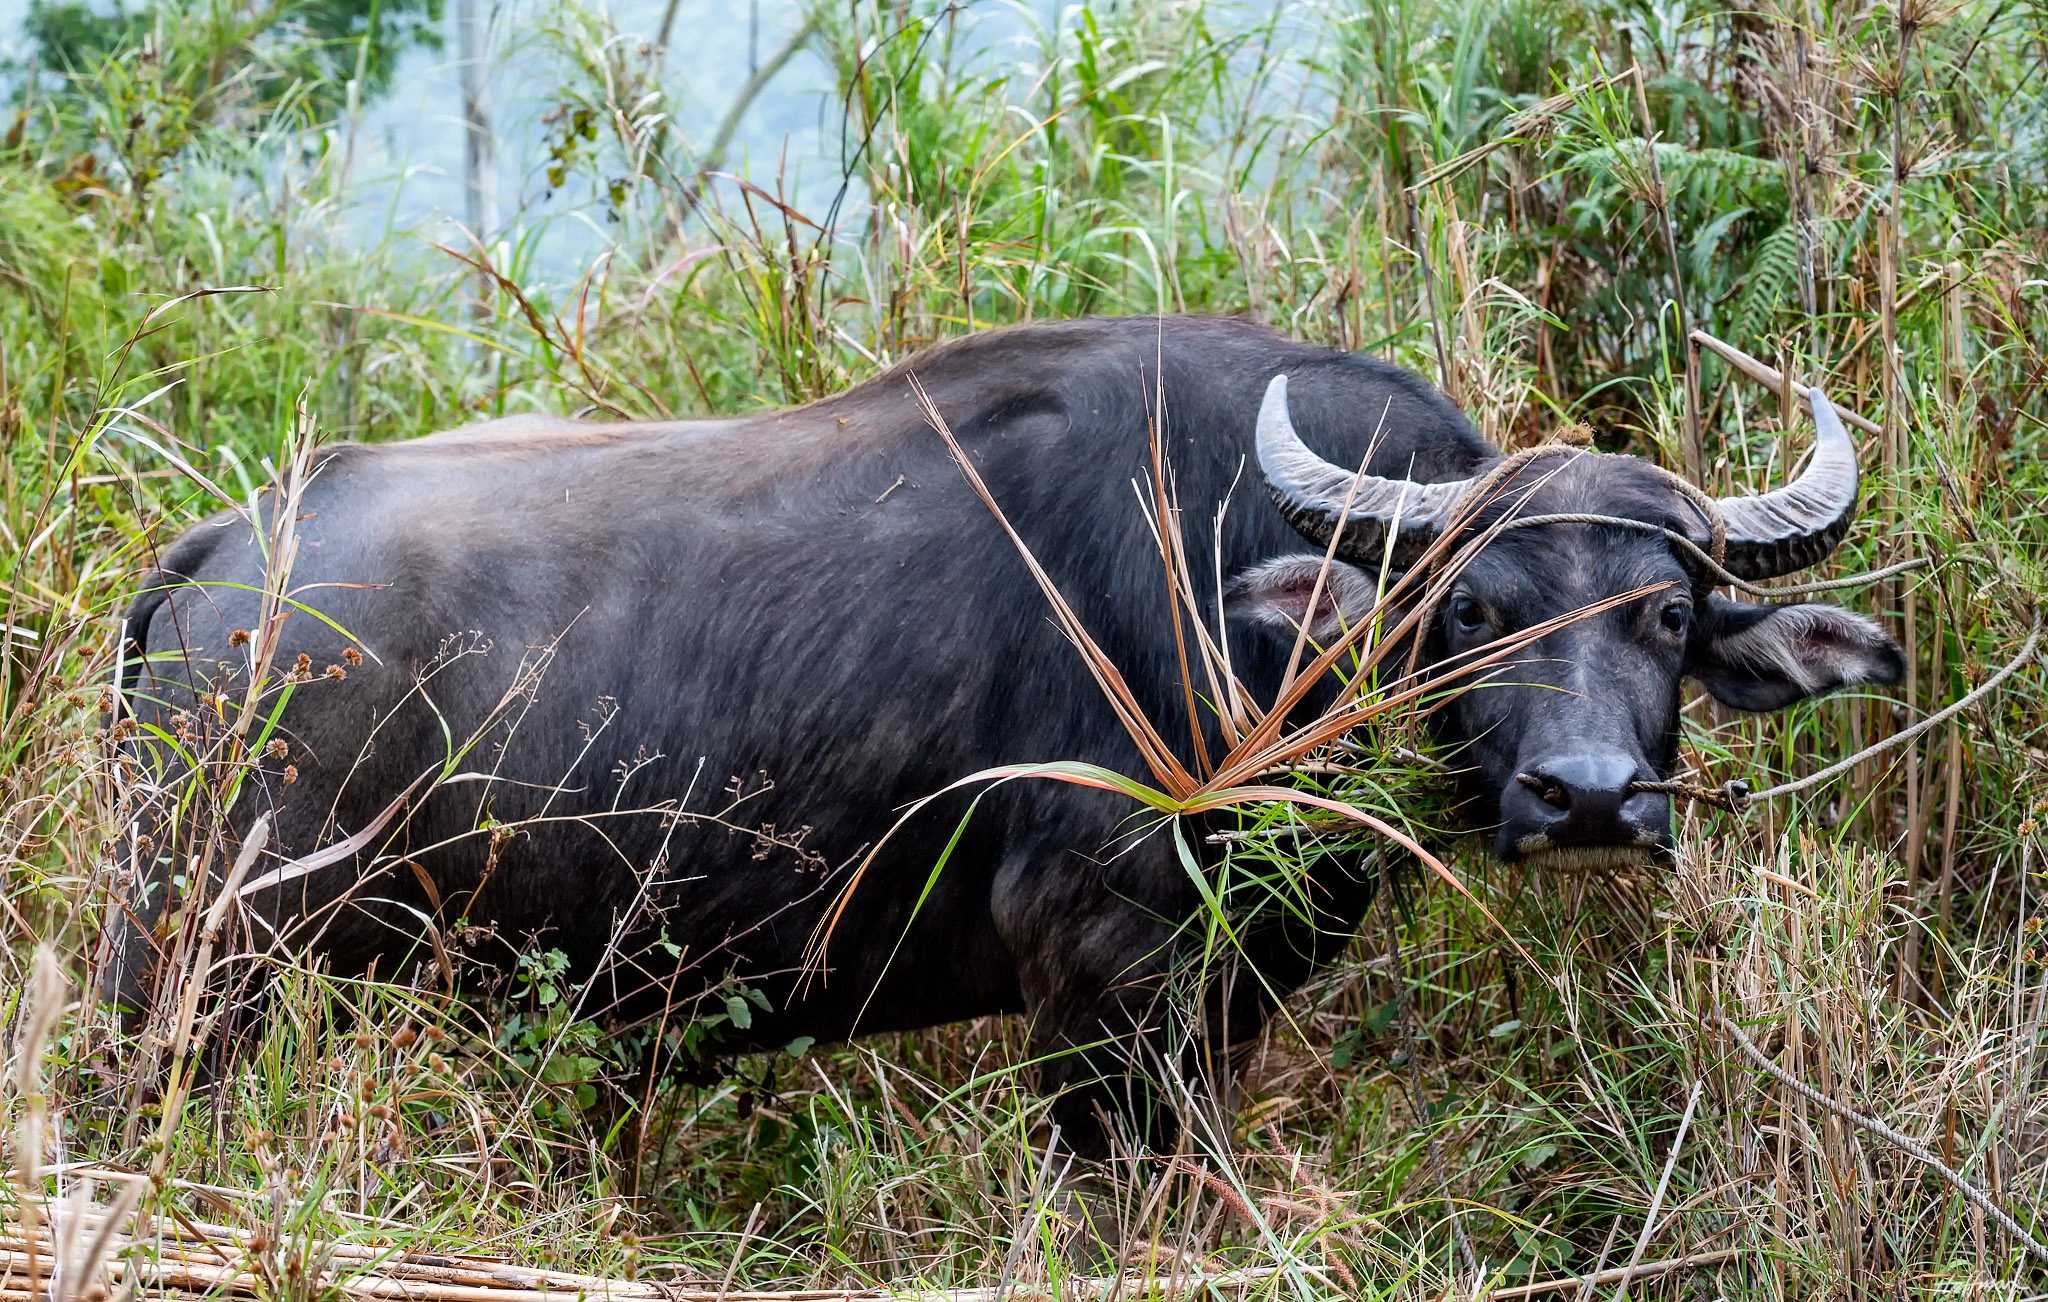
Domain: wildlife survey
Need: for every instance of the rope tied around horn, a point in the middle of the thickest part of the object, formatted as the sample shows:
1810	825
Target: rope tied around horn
1366	517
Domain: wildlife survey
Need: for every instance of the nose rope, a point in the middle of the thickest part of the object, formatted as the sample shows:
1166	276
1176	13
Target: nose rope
1732	795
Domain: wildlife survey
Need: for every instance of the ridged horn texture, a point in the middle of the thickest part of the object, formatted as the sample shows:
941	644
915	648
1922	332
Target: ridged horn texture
1797	526
1312	494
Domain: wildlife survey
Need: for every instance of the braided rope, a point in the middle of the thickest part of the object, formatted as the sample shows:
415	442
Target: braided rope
1483	488
1719	572
1917	1152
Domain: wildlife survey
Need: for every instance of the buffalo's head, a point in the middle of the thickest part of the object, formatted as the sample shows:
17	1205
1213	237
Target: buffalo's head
1557	737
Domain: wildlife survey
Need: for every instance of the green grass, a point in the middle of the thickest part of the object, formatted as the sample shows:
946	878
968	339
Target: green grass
1435	1108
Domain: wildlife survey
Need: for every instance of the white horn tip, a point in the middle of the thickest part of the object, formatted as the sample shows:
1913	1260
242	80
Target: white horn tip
1276	392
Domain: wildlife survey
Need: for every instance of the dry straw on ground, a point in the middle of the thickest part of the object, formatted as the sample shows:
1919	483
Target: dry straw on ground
195	1259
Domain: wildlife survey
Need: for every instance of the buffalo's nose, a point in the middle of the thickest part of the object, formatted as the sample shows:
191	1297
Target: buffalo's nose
1581	799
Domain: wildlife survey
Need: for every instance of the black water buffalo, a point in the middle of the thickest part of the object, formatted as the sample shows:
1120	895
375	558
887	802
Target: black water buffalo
641	692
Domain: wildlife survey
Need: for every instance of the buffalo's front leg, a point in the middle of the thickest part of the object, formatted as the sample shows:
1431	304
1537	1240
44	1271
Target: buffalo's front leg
1100	943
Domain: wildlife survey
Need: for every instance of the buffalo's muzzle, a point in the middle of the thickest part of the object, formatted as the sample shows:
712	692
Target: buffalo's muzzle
1583	806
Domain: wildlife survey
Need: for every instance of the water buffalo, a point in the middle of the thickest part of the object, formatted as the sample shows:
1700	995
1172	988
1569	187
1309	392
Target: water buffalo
641	692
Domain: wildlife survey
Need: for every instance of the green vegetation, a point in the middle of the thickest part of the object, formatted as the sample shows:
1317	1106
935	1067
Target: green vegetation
1856	195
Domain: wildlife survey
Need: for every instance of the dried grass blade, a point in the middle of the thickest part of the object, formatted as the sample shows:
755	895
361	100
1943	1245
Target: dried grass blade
1159	757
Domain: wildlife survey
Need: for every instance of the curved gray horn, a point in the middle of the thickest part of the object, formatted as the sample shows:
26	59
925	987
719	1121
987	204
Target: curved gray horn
1313	494
1796	526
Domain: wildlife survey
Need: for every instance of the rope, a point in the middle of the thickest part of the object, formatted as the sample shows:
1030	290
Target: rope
1483	488
1735	796
1475	497
1713	567
1963	1186
1731	795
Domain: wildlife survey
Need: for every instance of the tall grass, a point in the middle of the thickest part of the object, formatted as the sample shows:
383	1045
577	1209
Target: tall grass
1525	201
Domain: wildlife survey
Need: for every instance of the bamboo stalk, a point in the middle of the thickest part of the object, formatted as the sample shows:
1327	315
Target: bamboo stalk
1646	1270
1695	441
1771	379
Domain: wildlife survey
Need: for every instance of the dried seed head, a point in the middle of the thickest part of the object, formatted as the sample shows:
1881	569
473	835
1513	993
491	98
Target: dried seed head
336	672
353	656
291	774
277	749
240	637
303	665
405	1037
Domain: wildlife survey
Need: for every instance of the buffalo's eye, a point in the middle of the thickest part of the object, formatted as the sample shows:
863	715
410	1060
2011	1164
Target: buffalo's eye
1677	617
1468	616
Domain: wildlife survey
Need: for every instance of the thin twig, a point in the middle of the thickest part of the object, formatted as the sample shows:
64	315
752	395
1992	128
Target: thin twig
739	1249
1635	1260
1770	378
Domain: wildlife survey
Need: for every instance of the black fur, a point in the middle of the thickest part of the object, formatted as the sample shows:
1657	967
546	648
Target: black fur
814	603
764	594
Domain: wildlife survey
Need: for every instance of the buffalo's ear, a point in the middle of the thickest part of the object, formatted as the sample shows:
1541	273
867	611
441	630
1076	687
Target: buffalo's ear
1767	657
1276	594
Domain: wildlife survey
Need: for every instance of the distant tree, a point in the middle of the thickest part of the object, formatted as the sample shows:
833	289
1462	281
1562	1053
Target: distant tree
260	50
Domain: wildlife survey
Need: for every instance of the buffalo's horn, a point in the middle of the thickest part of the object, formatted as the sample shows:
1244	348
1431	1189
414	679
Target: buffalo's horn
1313	494
1796	526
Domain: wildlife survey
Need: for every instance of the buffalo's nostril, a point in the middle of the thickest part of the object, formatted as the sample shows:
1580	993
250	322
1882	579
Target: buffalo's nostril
1580	799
